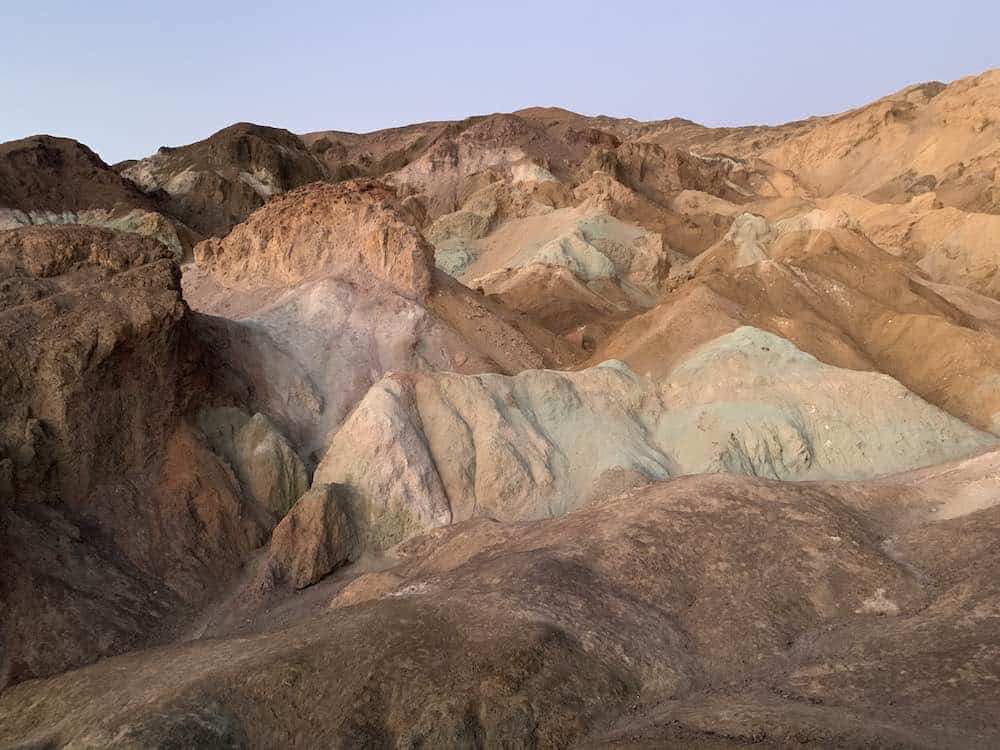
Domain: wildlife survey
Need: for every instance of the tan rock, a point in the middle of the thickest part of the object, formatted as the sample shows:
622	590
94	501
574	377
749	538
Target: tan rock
950	245
843	299
349	230
926	137
263	459
314	538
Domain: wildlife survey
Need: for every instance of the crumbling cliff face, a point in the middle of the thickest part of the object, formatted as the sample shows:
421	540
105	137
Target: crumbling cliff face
91	327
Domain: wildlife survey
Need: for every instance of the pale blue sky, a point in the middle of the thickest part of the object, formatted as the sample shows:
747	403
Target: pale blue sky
126	77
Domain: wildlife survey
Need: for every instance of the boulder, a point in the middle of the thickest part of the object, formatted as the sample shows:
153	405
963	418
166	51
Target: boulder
313	539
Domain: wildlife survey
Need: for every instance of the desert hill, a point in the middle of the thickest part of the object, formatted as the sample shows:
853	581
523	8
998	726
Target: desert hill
640	622
48	180
533	429
215	183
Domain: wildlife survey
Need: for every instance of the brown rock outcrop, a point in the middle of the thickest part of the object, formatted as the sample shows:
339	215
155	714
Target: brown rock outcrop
44	173
83	307
352	230
47	180
214	184
118	518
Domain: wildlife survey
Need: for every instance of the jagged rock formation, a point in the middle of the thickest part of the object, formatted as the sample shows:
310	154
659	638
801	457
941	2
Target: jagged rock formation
353	230
80	304
509	199
422	451
475	152
351	155
48	174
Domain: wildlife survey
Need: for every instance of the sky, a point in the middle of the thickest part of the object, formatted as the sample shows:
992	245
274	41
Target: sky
127	77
